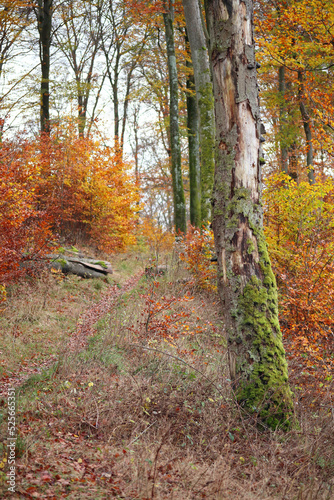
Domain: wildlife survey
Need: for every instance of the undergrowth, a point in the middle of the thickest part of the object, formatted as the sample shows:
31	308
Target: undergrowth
145	408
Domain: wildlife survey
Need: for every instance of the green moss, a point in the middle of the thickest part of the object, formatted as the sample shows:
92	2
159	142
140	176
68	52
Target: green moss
261	365
101	263
265	388
250	246
62	262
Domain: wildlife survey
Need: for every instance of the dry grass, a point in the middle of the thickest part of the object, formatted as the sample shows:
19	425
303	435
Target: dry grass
135	415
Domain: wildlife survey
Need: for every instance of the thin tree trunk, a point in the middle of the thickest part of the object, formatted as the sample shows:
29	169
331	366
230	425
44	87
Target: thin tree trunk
193	147
204	94
127	100
82	111
178	192
246	283
307	129
44	21
282	118
115	99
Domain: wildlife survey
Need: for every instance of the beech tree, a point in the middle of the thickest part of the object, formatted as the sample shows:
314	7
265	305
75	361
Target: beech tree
178	192
14	18
203	84
193	148
246	283
295	40
44	11
79	39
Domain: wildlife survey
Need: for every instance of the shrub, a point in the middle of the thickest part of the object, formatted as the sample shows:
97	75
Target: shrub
198	248
299	223
63	185
24	228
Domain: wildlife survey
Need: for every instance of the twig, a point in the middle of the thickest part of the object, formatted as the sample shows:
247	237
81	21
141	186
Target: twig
145	430
178	359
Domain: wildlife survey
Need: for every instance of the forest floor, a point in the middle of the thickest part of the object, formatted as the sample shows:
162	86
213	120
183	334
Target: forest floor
122	391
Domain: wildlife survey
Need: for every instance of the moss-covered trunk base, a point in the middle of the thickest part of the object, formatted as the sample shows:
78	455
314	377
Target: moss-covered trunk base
246	282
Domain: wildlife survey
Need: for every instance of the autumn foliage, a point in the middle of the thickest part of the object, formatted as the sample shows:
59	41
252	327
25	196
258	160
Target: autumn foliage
198	249
62	186
24	229
88	189
158	238
299	223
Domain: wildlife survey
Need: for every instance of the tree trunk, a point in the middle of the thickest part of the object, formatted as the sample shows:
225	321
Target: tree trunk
204	94
307	129
178	192
193	147
44	21
282	119
82	114
246	283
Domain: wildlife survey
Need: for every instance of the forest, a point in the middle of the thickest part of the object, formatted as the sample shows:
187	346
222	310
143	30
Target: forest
167	249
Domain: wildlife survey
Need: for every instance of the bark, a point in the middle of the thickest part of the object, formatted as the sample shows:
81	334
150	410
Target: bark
178	192
193	146
204	93
44	22
84	267
246	282
283	119
114	85
307	129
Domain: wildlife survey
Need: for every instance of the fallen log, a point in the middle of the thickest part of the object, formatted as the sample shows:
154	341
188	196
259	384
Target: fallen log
84	267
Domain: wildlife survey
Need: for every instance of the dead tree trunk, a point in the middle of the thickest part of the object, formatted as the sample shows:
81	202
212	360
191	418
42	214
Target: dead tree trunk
246	282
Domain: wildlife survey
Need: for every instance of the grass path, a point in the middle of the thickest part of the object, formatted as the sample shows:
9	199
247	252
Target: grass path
139	404
77	340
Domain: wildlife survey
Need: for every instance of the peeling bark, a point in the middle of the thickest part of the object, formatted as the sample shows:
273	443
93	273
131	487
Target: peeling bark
246	282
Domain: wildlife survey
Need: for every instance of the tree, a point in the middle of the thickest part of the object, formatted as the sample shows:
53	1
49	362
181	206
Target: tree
78	37
282	119
14	18
296	38
44	11
85	187
246	283
24	228
307	129
193	148
123	39
178	192
200	60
